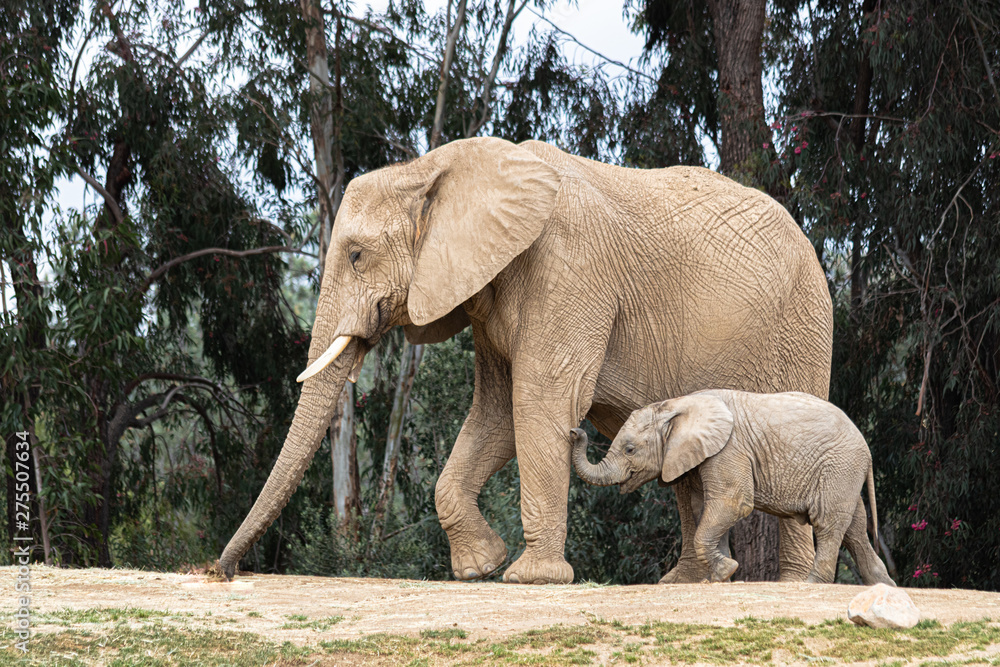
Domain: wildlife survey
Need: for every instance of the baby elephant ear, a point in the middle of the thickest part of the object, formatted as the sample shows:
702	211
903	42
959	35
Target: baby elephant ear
696	427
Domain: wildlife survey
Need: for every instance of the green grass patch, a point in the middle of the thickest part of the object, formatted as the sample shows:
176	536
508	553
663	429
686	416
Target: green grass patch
301	622
852	643
99	615
125	637
447	633
153	645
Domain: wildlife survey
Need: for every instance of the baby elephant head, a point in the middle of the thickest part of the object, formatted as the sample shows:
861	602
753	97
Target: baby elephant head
664	440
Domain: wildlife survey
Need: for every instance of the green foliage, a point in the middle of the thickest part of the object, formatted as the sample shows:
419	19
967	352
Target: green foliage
906	199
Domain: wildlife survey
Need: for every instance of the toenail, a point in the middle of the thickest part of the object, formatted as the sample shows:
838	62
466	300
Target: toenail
513	578
471	574
489	567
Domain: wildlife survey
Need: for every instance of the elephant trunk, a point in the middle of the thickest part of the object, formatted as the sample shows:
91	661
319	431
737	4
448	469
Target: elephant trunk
605	473
312	417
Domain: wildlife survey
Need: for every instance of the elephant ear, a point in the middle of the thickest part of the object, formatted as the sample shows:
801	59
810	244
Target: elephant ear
694	428
481	205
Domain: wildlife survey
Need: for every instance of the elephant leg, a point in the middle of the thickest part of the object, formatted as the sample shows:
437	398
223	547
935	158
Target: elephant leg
544	412
689	568
870	566
795	552
543	458
484	445
830	529
719	516
698	507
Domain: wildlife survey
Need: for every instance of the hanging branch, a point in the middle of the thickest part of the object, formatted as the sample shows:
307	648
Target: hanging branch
112	204
163	268
982	51
583	46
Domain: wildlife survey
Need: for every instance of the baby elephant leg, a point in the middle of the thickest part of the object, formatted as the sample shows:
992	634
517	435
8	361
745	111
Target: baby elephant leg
829	529
720	514
698	507
870	566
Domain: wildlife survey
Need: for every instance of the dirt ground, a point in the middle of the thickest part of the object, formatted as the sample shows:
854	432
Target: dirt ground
265	603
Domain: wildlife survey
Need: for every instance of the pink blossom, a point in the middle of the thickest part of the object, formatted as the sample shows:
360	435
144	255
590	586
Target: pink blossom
913	507
805	144
955	524
798	150
920	525
864	194
767	145
947	533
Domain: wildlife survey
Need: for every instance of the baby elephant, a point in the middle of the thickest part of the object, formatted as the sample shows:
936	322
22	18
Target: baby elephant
791	455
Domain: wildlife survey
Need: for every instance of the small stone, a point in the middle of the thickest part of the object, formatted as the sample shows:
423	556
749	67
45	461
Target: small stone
882	606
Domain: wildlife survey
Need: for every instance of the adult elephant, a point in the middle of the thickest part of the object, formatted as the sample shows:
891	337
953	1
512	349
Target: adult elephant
592	290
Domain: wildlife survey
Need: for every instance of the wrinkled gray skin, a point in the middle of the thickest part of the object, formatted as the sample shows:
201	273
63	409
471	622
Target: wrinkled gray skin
591	290
790	454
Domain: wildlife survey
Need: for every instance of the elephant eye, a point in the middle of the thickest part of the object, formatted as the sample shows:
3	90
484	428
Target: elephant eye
355	254
630	449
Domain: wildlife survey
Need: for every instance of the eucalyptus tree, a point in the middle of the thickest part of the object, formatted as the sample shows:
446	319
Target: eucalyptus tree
162	304
890	121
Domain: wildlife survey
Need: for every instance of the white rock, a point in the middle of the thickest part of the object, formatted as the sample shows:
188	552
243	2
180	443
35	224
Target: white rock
882	606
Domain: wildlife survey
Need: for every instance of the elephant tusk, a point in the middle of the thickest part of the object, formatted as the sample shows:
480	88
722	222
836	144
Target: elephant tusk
325	359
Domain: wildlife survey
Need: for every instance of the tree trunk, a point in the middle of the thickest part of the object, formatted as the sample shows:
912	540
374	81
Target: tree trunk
320	120
862	96
754	543
344	455
410	361
442	94
36	459
326	112
739	28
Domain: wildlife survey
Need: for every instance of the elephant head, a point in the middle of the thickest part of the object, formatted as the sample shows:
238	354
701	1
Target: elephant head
664	440
410	244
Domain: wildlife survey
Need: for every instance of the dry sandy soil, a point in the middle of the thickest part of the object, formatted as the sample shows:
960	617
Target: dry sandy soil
264	603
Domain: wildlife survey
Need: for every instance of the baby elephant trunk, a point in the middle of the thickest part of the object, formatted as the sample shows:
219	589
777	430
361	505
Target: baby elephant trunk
605	473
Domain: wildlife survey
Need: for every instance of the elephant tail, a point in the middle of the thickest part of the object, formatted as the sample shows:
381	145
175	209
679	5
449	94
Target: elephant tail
870	481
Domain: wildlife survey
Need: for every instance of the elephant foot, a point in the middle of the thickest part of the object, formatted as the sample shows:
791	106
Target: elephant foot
533	570
478	558
723	568
687	571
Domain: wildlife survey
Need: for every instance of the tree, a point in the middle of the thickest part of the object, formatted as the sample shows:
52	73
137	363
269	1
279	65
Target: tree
890	118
